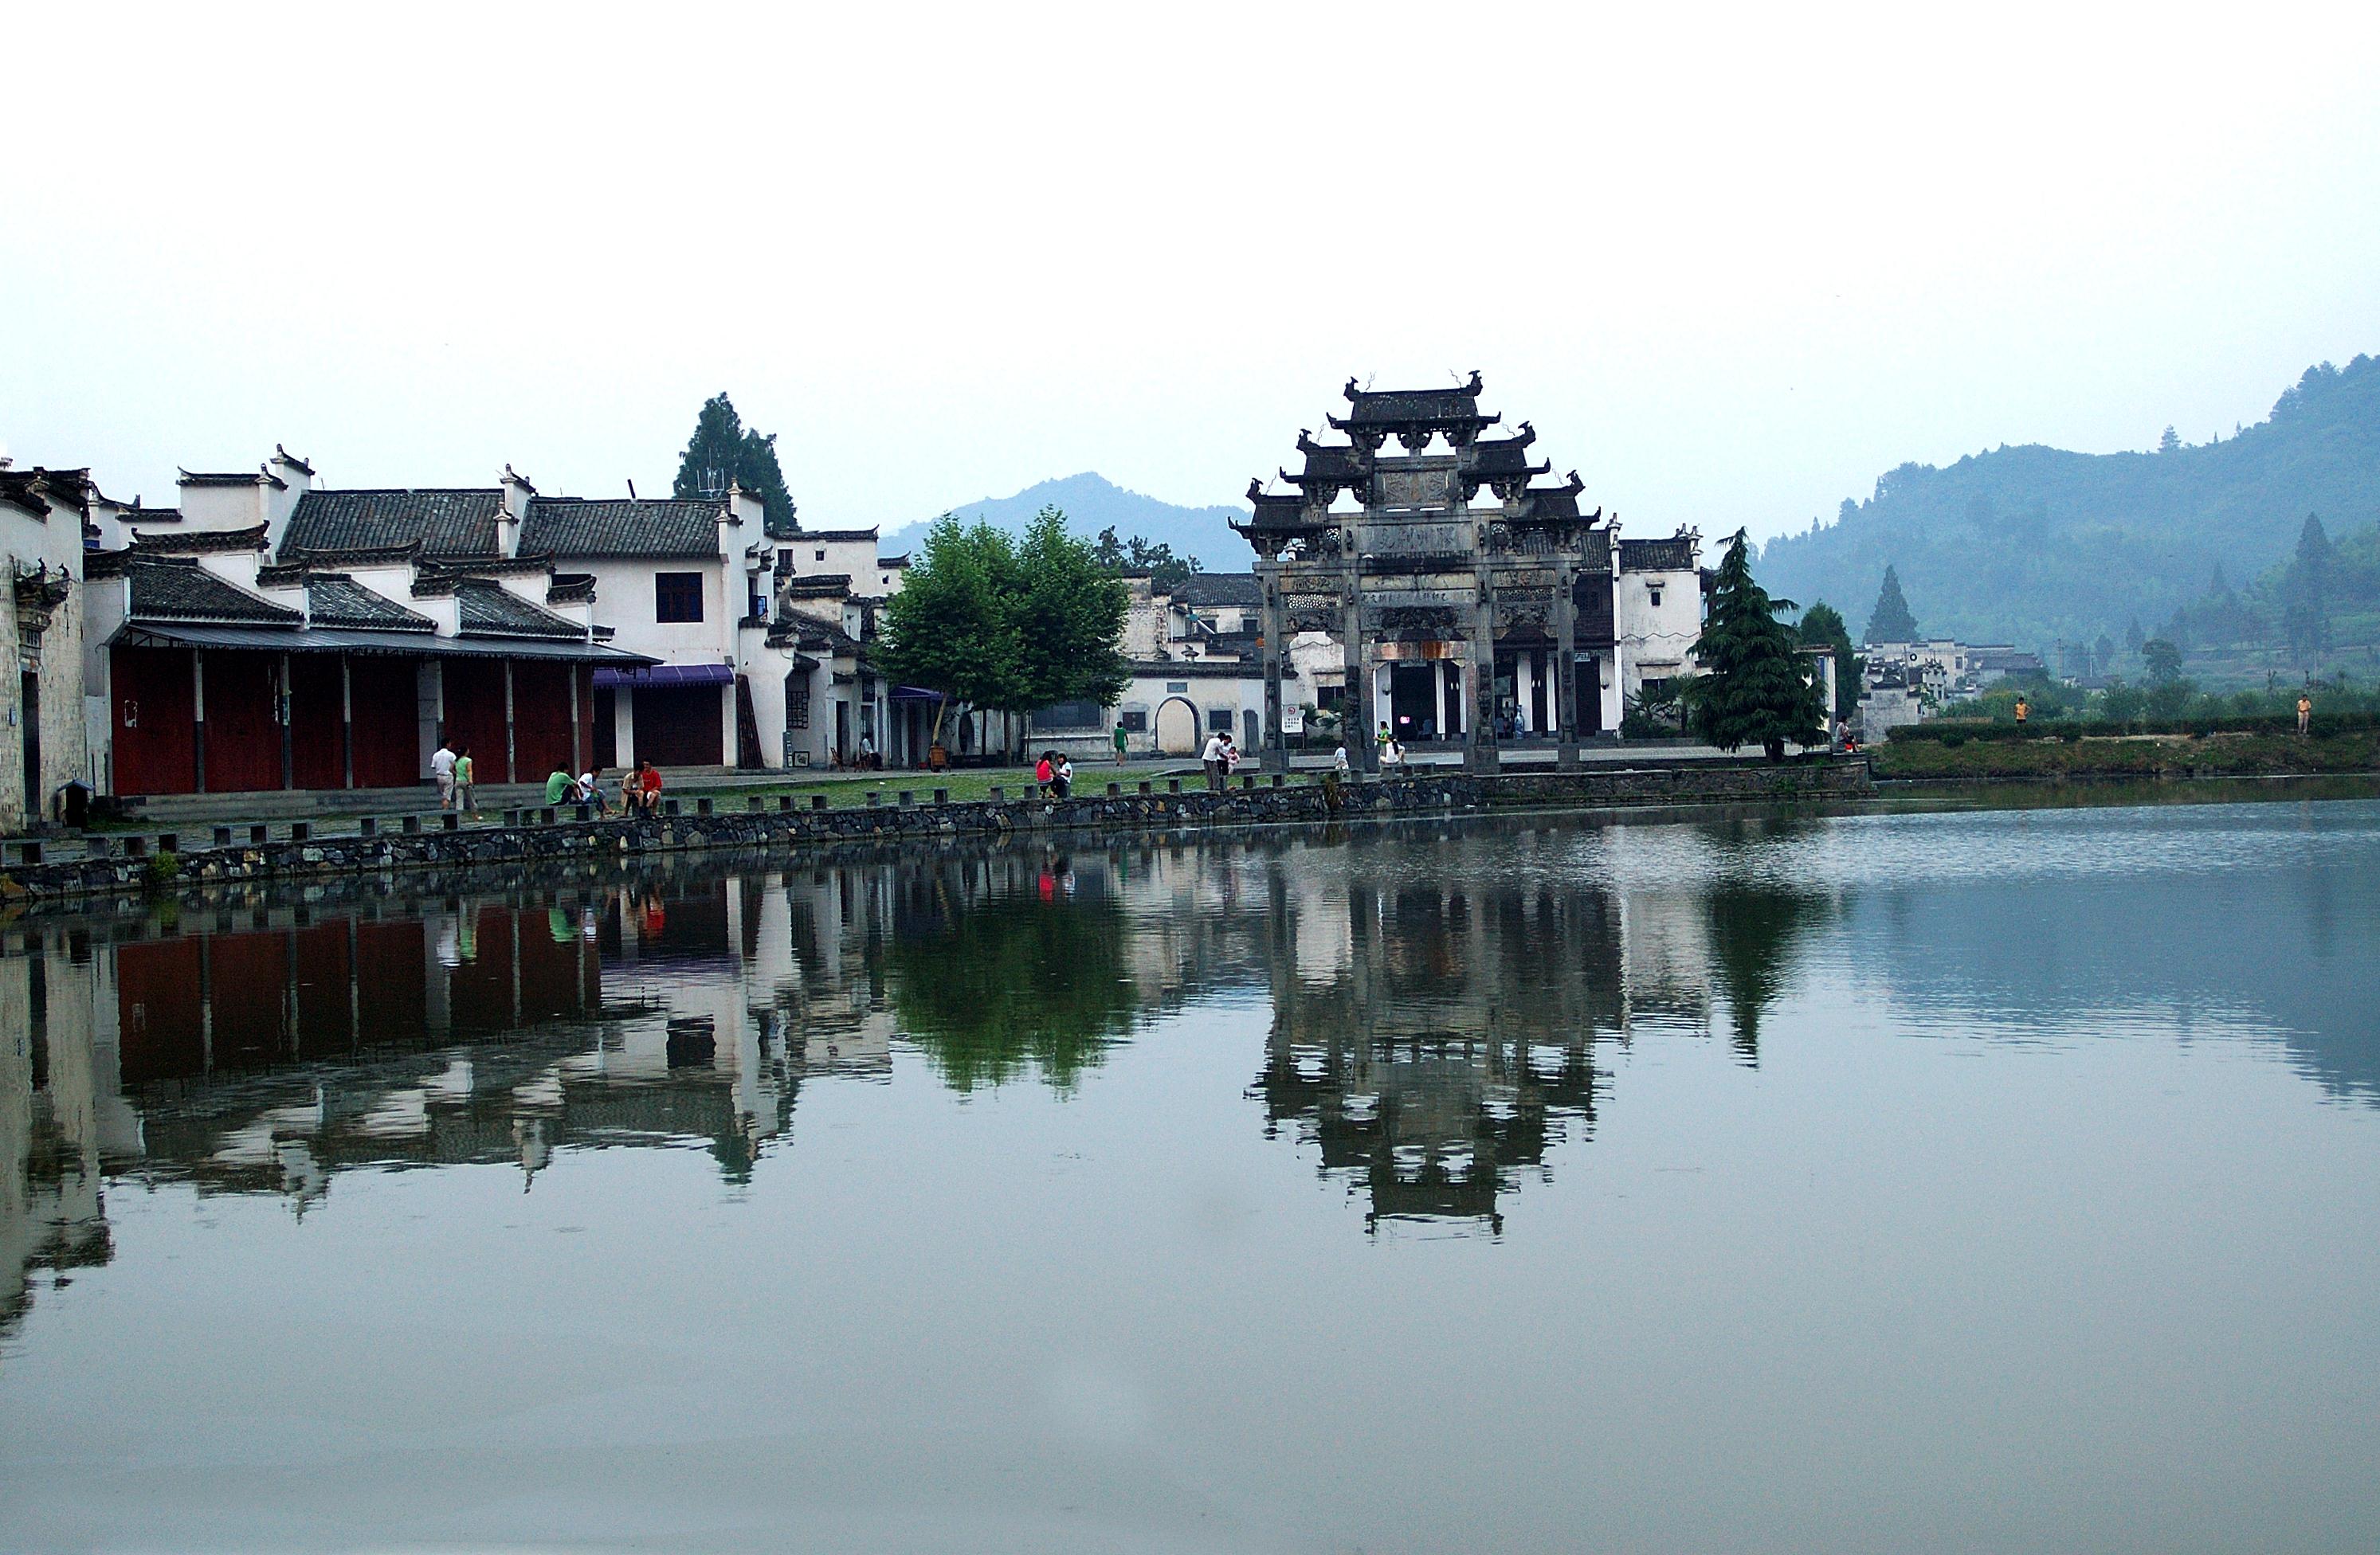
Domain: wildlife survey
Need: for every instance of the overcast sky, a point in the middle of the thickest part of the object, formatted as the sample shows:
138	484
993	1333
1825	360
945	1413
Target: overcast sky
1732	269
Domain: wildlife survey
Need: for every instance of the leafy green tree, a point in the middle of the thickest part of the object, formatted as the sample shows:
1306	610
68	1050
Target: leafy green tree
1005	624
2170	443
2122	702
1166	570
1890	621
2163	659
1822	626
1755	686
1069	615
2103	654
723	451
951	628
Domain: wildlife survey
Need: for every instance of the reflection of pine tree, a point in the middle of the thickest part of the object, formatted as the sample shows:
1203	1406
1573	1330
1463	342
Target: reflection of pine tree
1752	931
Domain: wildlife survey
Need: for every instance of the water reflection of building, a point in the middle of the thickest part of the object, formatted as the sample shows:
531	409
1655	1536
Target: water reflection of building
269	1048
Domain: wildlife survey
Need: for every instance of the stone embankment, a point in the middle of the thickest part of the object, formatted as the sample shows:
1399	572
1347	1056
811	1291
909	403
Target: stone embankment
230	856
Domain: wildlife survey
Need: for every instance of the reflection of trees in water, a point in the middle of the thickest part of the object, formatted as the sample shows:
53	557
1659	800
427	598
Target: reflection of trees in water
1755	929
1026	975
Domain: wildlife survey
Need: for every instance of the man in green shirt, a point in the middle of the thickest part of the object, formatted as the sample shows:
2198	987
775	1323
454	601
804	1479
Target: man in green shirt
559	786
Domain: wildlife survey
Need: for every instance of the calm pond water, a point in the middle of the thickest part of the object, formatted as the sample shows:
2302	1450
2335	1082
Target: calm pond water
1997	1180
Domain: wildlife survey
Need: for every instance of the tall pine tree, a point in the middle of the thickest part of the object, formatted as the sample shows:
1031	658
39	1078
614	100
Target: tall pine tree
1755	686
1890	621
723	450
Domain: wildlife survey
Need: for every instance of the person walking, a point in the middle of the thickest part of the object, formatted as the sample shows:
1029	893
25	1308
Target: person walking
2305	714
442	771
466	788
1212	757
1122	740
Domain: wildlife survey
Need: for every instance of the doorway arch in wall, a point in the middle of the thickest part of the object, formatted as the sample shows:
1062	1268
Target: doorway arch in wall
1177	727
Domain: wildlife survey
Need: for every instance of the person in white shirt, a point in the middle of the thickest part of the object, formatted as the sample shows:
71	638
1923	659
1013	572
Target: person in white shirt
1213	757
441	769
1339	759
591	790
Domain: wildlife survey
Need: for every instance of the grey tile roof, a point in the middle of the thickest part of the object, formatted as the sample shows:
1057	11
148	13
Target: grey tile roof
617	526
335	599
185	542
1219	588
491	610
816	586
1657	555
455	522
170	589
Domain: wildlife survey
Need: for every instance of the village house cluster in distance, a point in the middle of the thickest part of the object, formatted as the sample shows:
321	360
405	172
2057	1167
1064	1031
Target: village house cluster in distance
269	630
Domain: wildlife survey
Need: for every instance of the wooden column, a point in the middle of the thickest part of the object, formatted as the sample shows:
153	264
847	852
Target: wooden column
1565	708
198	716
346	724
510	776
577	756
285	705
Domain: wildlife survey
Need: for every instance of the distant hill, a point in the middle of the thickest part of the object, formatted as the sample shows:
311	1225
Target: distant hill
1092	503
2032	545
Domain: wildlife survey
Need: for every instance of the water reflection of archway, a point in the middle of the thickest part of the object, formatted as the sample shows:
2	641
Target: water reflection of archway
1432	1041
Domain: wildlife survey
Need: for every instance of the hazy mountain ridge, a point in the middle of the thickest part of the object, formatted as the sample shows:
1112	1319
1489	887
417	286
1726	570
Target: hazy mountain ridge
2033	544
1093	503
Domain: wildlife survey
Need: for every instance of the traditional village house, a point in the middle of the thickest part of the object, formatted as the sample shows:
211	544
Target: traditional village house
269	634
41	516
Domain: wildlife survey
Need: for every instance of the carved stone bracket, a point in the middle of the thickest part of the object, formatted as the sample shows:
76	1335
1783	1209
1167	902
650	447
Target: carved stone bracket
39	594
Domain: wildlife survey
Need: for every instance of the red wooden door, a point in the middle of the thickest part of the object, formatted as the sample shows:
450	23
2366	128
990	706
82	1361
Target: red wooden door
152	692
384	695
318	736
540	719
475	715
243	736
679	726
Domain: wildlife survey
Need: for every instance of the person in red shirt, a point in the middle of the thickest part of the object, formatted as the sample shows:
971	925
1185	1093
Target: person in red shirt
649	787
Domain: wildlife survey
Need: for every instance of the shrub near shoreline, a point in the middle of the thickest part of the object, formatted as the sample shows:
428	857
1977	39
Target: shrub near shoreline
2069	753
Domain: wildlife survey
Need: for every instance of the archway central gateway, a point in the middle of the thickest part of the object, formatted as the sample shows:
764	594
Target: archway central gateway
1423	577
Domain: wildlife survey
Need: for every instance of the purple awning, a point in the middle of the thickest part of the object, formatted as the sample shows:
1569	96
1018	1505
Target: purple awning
915	694
668	674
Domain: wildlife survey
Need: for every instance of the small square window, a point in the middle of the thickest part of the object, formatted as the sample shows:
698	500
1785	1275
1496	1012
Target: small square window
677	596
1655	595
821	555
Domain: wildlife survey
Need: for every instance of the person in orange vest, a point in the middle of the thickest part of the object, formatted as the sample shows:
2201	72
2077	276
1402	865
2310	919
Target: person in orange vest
2305	714
2024	710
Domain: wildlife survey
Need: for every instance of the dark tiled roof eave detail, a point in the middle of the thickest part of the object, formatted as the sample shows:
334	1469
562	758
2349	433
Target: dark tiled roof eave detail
819	585
166	590
491	610
342	601
453	522
580	526
836	536
1219	588
185	542
1657	555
